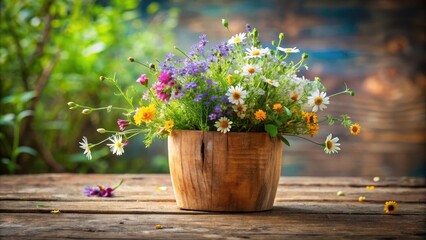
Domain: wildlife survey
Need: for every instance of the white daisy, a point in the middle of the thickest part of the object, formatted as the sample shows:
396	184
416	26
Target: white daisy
236	95
270	82
255	52
288	50
223	125
331	145
85	145
318	100
250	70
238	38
117	145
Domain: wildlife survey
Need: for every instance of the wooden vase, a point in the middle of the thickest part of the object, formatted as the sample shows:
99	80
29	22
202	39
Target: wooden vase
234	172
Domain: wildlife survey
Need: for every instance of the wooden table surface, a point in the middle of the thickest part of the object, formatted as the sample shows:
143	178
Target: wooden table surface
305	208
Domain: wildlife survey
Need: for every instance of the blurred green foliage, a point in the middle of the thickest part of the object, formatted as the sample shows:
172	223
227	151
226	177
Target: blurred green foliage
53	52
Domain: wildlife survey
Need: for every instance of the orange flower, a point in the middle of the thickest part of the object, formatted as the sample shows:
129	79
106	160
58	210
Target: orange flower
260	115
278	107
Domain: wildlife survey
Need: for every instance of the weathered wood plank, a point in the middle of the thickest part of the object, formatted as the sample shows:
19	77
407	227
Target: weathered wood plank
267	225
140	207
164	179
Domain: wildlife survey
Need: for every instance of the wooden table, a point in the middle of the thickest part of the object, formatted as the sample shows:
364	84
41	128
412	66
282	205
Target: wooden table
144	208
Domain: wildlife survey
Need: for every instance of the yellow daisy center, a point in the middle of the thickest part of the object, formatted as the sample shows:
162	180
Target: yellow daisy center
294	96
255	52
318	101
251	70
329	144
236	95
237	40
224	124
118	144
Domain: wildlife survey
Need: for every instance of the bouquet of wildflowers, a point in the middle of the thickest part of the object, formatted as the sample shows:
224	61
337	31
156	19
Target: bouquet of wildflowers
235	86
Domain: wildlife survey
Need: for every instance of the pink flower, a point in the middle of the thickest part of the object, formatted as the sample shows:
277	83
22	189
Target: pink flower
122	124
143	80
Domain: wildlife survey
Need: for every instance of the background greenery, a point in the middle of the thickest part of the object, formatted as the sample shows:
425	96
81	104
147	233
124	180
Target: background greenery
53	52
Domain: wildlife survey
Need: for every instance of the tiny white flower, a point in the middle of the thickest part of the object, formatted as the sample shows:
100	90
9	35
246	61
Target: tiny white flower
270	81
117	145
85	145
236	95
331	145
288	50
318	100
238	38
250	70
255	52
240	109
223	125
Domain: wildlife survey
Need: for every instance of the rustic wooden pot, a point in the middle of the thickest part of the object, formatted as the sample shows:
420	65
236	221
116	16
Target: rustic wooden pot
235	172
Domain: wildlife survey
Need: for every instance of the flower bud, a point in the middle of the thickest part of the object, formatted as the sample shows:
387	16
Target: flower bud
143	80
130	59
281	36
102	78
152	66
86	111
352	93
101	130
72	104
273	43
255	33
305	56
225	22
248	28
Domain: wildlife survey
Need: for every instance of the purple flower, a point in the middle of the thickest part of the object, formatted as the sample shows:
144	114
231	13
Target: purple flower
218	109
199	97
213	116
143	80
100	190
248	28
191	85
122	124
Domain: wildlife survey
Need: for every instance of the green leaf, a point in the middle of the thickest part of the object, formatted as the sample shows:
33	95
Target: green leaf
24	114
284	140
19	98
25	149
271	129
278	122
287	111
7	119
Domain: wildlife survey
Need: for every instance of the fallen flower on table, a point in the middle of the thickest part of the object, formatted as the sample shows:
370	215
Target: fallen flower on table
161	188
340	193
55	211
361	199
376	179
390	207
100	190
370	187
158	226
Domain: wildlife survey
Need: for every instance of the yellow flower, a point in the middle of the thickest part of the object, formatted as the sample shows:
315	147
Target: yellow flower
278	107
361	199
260	115
390	207
355	129
370	187
144	114
229	78
55	211
168	125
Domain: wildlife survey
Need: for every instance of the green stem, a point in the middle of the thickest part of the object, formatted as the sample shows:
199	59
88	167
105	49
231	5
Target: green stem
15	145
182	52
304	139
